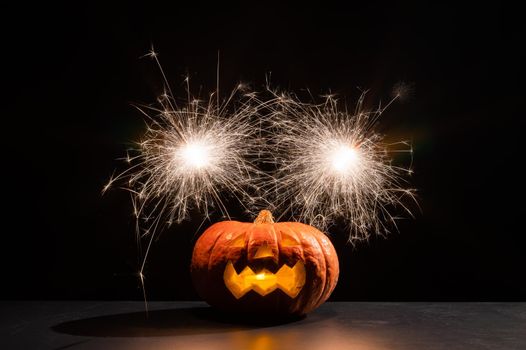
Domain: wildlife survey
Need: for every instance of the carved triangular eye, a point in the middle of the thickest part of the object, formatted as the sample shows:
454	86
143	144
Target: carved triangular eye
264	251
288	240
238	241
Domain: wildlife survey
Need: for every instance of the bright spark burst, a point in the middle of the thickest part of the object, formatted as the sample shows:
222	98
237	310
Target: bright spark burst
190	157
333	166
344	159
193	154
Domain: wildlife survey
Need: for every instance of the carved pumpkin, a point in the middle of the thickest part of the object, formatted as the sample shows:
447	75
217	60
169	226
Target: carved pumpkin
264	267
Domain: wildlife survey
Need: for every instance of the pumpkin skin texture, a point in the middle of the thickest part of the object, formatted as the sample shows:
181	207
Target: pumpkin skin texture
265	247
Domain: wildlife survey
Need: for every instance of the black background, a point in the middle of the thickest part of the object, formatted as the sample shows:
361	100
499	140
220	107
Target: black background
72	71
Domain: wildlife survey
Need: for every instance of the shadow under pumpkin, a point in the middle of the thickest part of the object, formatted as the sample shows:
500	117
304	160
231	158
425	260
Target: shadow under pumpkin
168	322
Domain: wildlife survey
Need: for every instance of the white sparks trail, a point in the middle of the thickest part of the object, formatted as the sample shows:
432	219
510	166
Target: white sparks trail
332	166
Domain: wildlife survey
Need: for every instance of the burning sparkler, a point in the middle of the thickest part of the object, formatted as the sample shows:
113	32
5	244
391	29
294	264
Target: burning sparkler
333	165
193	155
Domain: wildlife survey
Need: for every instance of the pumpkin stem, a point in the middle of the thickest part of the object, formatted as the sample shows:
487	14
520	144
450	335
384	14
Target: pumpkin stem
264	217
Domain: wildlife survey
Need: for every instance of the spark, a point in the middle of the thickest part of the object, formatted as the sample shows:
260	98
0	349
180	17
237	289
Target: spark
402	91
332	166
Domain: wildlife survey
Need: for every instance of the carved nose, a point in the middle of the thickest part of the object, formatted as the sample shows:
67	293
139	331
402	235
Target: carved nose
264	251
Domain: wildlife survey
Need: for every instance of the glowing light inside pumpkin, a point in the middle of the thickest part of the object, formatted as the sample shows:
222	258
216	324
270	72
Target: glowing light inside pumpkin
260	276
289	279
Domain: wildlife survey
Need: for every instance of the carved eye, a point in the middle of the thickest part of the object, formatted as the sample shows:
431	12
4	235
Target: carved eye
289	240
238	241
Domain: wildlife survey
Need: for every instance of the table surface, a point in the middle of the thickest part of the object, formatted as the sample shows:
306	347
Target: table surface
193	325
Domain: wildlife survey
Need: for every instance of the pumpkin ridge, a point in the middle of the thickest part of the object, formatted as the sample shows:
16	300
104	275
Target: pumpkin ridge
314	234
290	231
327	285
295	234
273	230
212	250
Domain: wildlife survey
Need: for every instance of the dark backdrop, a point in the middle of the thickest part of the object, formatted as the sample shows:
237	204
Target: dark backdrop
72	72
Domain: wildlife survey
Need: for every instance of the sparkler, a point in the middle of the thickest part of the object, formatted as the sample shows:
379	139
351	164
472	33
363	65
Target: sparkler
332	165
192	155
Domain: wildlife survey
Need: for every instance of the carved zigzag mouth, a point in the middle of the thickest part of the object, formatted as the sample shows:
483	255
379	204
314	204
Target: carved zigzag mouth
289	279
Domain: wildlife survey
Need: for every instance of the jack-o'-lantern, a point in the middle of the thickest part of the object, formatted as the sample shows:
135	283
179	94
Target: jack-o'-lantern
264	267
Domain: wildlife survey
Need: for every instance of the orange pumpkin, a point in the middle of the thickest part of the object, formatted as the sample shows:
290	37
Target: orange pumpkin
264	267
